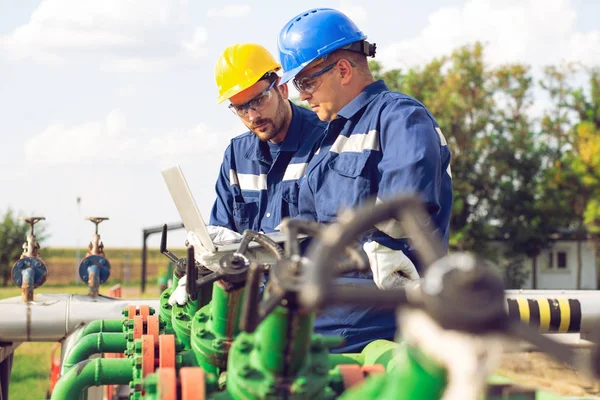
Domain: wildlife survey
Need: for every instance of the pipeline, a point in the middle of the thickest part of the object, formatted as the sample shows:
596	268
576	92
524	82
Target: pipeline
555	311
94	343
53	317
377	352
101	326
95	372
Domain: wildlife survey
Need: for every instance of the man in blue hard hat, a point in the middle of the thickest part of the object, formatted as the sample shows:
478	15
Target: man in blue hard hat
378	144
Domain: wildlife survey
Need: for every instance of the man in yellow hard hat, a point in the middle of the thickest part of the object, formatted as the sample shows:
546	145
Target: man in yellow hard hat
258	182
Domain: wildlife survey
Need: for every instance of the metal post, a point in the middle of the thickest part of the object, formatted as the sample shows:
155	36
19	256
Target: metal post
77	255
5	369
144	260
145	233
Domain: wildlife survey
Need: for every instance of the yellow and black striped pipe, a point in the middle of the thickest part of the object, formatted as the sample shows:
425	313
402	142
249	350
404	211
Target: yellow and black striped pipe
559	315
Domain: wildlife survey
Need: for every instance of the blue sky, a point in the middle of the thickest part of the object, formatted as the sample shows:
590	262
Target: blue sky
97	96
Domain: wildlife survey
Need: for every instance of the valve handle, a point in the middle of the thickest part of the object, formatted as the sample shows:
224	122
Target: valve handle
286	275
233	267
409	212
163	246
450	287
32	221
192	274
96	221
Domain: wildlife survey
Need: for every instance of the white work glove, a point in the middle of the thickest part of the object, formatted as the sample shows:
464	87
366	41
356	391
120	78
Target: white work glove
391	268
222	235
203	256
179	294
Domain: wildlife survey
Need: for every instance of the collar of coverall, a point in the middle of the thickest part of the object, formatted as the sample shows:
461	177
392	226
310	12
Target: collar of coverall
365	97
290	143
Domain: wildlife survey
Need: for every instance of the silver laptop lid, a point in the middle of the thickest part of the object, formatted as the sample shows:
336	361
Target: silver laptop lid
186	206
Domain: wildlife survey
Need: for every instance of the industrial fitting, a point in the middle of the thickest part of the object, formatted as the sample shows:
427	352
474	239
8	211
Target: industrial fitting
30	271
94	269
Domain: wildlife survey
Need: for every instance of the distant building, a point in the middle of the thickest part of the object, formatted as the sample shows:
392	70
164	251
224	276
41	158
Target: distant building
561	266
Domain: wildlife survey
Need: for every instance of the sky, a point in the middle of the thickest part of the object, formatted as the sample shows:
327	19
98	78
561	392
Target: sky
96	97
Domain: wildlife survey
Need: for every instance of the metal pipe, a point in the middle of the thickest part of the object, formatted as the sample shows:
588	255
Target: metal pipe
556	311
101	326
27	285
94	343
377	352
53	317
95	372
93	280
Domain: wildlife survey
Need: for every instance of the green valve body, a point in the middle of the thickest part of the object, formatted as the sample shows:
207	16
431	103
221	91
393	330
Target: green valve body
412	375
181	316
215	326
268	364
164	314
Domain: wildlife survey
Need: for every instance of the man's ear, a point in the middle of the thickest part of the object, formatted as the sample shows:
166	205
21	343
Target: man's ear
345	70
283	89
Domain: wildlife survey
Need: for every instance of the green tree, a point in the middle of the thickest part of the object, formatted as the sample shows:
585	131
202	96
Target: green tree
520	157
500	156
573	123
456	89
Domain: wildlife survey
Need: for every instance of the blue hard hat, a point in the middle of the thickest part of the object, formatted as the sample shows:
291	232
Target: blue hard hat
313	34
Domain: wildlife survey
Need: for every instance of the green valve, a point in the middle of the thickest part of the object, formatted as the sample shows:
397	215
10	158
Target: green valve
215	326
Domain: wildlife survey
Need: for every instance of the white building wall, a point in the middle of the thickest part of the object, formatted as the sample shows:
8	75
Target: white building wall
552	277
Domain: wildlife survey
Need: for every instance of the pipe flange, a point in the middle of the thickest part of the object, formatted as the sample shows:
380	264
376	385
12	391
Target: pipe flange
103	271
37	266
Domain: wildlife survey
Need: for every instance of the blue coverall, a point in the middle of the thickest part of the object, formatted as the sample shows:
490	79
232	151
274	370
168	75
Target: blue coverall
255	190
381	144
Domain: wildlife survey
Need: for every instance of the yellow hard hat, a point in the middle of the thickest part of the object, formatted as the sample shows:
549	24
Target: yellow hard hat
241	66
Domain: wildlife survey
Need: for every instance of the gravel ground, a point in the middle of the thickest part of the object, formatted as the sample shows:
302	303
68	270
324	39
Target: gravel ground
534	369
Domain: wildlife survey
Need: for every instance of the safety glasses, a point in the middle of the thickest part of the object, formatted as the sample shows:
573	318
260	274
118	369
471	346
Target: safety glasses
257	103
309	84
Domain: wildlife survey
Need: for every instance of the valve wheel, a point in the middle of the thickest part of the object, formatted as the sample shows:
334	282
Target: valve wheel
373	369
193	385
131	311
167	384
153	326
352	374
144	312
147	355
138	327
166	351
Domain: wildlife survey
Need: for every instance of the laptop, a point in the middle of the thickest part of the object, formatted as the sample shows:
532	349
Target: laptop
192	219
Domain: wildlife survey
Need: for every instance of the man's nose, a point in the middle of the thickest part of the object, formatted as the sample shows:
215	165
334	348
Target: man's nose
305	95
252	114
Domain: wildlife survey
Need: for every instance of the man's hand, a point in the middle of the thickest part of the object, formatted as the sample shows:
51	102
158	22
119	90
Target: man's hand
204	257
222	235
391	268
179	294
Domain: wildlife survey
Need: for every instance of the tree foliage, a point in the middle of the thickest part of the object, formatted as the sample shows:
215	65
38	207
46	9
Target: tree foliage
516	176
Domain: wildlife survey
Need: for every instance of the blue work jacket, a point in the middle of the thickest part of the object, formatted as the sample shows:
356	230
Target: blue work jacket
255	192
381	144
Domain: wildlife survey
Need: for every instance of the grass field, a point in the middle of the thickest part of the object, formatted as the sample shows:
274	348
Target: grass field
31	364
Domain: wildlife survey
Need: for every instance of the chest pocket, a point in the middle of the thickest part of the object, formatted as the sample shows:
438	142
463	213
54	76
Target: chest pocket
347	183
289	193
244	215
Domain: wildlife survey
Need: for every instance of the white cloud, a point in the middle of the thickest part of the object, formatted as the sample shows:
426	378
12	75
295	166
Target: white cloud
513	30
113	141
229	11
355	12
129	34
196	47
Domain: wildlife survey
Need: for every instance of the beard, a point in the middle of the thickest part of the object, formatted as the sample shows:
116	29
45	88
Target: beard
267	128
